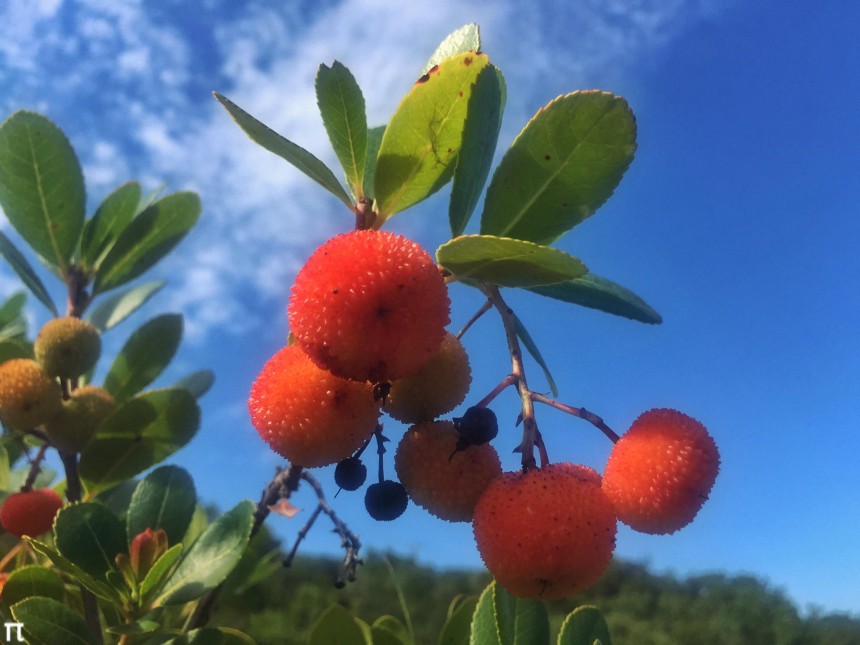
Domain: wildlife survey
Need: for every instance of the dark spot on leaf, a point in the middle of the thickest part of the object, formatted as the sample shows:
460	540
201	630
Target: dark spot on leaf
423	79
547	157
461	92
467	60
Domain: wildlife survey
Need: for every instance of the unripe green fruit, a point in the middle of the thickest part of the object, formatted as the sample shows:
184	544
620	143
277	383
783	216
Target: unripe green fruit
74	426
67	347
28	396
439	386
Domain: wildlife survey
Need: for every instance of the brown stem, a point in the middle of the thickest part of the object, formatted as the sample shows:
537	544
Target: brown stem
364	215
517	371
484	309
77	297
505	383
35	469
582	413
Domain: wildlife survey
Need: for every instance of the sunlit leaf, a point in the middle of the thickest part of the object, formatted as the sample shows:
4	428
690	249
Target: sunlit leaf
263	135
507	262
111	218
563	165
148	238
28	276
374	139
111	311
41	186
212	557
144	356
421	142
48	622
140	434
198	383
583	626
465	39
341	105
90	536
599	293
480	136
164	499
33	580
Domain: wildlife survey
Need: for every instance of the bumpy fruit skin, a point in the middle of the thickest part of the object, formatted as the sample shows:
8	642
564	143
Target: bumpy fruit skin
76	422
31	513
369	306
67	347
350	474
28	396
439	385
548	533
307	414
445	481
661	471
385	500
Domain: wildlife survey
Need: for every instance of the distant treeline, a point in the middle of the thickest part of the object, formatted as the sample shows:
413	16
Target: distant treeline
642	608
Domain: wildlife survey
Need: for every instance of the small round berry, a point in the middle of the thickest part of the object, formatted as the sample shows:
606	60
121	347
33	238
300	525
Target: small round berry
386	500
661	471
307	414
67	347
369	306
439	386
445	481
548	533
72	428
28	396
477	426
350	473
30	513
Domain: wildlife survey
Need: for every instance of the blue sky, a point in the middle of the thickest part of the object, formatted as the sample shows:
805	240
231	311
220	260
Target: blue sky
736	221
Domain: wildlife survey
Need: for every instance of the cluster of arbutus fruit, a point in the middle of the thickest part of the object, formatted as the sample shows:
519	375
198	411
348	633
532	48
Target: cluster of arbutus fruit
42	396
367	316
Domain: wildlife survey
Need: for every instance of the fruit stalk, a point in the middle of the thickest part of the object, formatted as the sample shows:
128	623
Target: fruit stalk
518	372
582	413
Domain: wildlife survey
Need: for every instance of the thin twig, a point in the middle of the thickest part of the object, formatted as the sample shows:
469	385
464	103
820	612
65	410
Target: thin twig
349	540
517	371
35	468
288	561
484	309
505	383
582	413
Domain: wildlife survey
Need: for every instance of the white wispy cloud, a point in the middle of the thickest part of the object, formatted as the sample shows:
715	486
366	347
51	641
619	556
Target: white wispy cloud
135	102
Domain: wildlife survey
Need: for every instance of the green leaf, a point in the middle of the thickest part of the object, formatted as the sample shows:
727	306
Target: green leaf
89	536
140	434
148	238
480	136
563	165
144	356
111	311
422	141
10	349
198	383
504	607
485	629
286	149
583	626
507	262
599	293
465	39
158	573
11	310
99	588
341	105
20	265
212	636
33	580
212	557
41	186
387	630
48	622
135	629
374	140
111	219
531	347
531	622
337	625
457	628
165	499
5	469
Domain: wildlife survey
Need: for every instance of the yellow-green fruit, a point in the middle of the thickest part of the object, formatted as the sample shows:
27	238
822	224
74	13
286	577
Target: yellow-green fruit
439	386
72	428
67	347
28	396
439	477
